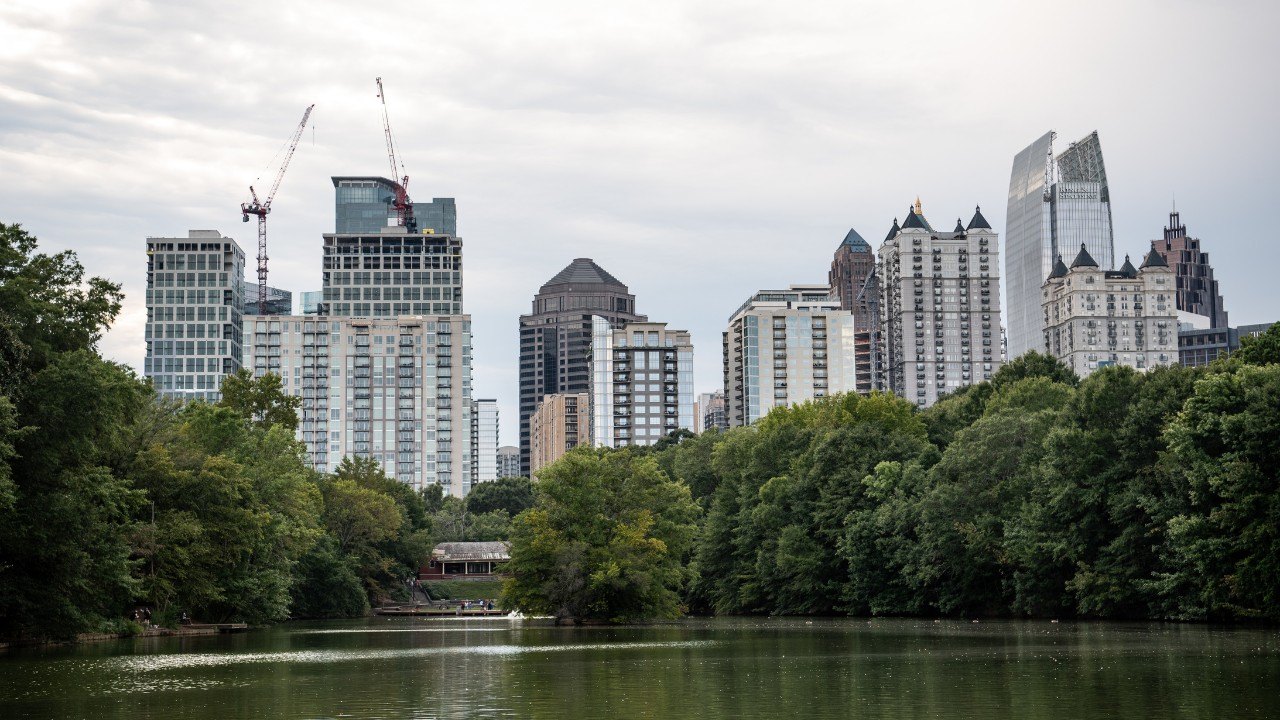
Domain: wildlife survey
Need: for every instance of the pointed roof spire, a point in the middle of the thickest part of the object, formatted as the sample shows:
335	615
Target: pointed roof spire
1059	269
918	209
959	227
855	241
1084	259
1154	259
978	221
1128	269
893	230
915	219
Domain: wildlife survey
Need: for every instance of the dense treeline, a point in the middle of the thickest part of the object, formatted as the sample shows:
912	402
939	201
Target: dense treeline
110	500
1126	495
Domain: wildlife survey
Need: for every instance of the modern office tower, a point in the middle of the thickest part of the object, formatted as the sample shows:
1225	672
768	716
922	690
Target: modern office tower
1055	205
195	297
309	301
642	382
709	413
508	461
1196	289
391	273
784	347
1094	317
561	422
941	306
484	441
364	205
397	390
853	279
1201	346
556	336
279	302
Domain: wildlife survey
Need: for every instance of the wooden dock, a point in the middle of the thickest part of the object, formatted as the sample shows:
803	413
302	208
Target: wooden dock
438	611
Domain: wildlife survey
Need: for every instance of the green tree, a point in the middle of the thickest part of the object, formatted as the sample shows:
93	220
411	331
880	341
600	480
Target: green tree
1261	349
606	540
512	494
263	401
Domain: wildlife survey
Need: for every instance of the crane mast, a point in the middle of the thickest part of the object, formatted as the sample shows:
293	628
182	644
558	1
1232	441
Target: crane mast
402	203
254	207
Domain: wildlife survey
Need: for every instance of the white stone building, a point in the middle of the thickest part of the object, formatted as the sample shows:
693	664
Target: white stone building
641	382
1095	317
941	306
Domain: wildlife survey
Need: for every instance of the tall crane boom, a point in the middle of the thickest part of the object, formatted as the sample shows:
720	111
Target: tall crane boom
254	207
402	203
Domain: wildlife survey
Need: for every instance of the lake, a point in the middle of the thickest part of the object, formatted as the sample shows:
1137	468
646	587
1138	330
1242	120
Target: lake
704	668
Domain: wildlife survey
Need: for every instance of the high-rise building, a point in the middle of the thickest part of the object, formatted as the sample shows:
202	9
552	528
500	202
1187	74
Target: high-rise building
484	441
1095	318
941	306
555	338
391	273
561	422
709	413
642	383
784	347
853	279
309	301
508	461
1196	289
397	390
195	301
1055	205
364	205
279	302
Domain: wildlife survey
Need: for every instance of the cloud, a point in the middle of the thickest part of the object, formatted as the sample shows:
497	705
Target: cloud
699	151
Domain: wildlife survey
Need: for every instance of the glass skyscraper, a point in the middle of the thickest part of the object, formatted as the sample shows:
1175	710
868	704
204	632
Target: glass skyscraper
364	205
1056	204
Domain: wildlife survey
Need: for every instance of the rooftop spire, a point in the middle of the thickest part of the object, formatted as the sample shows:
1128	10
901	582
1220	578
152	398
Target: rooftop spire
918	209
978	221
1084	259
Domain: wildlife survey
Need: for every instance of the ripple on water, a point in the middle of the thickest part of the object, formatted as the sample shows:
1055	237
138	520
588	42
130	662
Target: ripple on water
154	663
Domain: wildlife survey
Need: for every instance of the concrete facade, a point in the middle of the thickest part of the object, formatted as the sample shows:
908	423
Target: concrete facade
642	383
561	423
941	306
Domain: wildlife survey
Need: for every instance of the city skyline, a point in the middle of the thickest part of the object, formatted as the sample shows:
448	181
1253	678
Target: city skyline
709	135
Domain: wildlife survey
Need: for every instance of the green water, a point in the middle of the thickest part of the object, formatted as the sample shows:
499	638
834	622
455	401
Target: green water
722	668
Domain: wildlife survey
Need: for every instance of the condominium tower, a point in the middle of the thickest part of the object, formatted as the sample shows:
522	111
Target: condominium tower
1094	317
853	279
1055	205
784	347
555	338
561	422
484	441
642	383
195	301
1196	289
941	306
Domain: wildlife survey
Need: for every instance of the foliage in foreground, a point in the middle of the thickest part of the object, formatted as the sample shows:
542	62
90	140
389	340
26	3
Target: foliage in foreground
606	540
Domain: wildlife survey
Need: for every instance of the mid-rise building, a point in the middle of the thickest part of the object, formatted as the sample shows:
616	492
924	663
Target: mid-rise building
195	301
508	461
561	422
555	338
941	306
484	441
397	390
642	383
853	279
1055	205
364	205
784	347
279	302
1200	346
1094	318
709	413
1196	290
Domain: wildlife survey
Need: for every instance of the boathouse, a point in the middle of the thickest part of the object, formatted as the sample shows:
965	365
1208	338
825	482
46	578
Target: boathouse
466	561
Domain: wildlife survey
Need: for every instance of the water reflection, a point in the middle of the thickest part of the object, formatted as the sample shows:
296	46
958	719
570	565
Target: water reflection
732	668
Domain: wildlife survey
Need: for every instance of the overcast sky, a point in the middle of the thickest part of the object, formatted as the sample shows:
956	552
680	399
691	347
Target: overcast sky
698	151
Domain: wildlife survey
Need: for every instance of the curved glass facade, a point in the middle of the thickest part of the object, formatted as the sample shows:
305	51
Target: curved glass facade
1055	206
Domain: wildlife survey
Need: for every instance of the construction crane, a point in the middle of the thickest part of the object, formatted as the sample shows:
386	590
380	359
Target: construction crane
402	203
254	207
